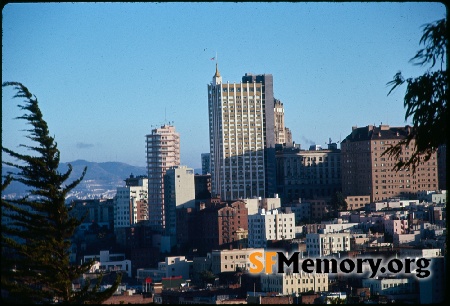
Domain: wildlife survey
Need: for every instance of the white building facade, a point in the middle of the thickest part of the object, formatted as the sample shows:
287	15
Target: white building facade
126	203
106	262
319	245
270	225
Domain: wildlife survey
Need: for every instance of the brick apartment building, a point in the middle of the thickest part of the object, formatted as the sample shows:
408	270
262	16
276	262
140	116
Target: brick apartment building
365	173
218	226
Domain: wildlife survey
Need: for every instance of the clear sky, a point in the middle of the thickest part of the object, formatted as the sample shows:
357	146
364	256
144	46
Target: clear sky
106	74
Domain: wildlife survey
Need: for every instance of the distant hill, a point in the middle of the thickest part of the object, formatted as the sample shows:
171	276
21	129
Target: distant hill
101	179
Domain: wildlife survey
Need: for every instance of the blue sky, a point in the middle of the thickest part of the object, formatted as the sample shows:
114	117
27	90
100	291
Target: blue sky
106	74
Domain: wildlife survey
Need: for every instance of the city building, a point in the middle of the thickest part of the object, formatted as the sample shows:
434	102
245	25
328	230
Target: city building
174	266
269	226
357	202
337	226
163	152
202	184
398	227
206	160
219	226
365	172
433	288
420	253
308	174
282	134
130	202
255	205
179	192
301	210
320	208
242	136
106	262
437	197
442	166
230	260
186	228
294	283
319	245
390	285
100	211
137	243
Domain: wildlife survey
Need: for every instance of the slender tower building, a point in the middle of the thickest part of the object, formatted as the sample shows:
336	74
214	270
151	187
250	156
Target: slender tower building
242	137
163	152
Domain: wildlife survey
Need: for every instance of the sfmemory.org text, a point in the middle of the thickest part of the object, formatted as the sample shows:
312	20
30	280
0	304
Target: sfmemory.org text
264	263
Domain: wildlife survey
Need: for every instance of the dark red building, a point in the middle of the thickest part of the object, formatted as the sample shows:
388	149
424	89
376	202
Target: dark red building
218	226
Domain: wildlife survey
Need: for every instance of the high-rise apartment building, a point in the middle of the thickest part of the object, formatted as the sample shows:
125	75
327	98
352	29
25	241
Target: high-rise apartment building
366	173
242	137
163	152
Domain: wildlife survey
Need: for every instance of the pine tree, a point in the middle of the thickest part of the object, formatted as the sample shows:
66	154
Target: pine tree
425	100
37	232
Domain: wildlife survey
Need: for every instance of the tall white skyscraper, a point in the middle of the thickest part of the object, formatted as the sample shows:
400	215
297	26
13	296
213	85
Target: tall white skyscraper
242	137
163	152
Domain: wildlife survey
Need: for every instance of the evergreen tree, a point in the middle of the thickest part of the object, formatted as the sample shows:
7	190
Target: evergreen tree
425	99
37	232
338	203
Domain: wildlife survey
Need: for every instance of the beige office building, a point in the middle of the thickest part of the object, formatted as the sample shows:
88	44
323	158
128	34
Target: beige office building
368	174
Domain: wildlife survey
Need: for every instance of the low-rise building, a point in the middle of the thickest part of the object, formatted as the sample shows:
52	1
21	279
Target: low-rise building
176	266
292	283
231	260
390	285
110	262
319	245
268	226
255	205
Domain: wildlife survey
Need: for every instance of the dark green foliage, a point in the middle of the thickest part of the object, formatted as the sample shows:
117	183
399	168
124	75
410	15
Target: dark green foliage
36	237
338	202
425	100
206	276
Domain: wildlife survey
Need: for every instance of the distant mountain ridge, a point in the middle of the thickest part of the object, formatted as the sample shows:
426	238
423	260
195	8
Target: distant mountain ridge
103	170
101	179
